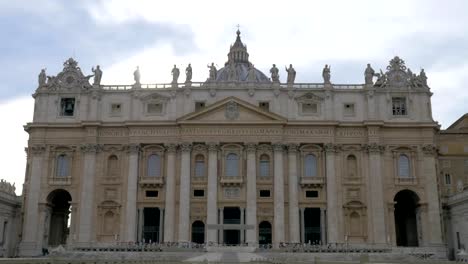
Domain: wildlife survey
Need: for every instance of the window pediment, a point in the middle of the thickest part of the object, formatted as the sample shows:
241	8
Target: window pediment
154	98
309	97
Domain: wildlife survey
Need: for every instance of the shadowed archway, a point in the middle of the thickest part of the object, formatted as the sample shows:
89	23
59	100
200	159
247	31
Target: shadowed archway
58	202
406	220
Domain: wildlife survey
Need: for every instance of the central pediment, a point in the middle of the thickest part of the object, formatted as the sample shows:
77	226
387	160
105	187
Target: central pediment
232	110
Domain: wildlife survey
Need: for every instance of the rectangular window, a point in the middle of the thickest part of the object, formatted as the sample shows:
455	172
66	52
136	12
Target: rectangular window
152	193
199	105
264	193
154	108
309	108
67	107
399	106
116	109
198	193
311	194
264	106
448	179
348	109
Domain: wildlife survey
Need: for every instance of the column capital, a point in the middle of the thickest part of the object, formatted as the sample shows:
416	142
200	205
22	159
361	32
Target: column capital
37	149
429	149
250	147
331	148
278	146
90	148
374	148
292	147
212	146
133	148
171	147
185	147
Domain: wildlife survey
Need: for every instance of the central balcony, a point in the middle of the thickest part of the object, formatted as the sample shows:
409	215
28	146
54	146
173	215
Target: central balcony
406	181
151	181
60	181
231	180
312	182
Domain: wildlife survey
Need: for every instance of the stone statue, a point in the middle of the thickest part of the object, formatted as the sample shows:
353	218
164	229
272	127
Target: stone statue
369	74
232	73
326	74
423	78
381	79
274	74
175	74
42	78
251	75
136	75
188	73
291	74
97	75
213	72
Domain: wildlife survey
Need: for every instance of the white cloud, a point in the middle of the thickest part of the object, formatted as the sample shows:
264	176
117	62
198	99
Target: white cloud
13	139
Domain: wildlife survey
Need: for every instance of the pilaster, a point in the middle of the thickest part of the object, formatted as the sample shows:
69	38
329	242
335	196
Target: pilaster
278	230
169	215
293	194
132	180
212	196
251	194
332	201
184	200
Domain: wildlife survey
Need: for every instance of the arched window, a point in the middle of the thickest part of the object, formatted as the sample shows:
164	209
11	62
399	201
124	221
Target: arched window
351	166
154	166
310	166
355	224
63	166
199	166
403	166
232	165
109	223
112	166
264	165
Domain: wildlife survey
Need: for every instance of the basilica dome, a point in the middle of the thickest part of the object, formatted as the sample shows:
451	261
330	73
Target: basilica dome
238	58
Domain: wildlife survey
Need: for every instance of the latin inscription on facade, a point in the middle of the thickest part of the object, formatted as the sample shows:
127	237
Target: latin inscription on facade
231	193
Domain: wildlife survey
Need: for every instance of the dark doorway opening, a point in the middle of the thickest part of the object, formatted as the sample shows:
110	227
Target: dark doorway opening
59	225
198	232
312	226
151	223
232	216
406	223
264	233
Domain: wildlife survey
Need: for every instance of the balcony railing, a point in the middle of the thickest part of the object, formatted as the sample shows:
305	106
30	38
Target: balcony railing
61	181
231	180
152	181
312	181
405	181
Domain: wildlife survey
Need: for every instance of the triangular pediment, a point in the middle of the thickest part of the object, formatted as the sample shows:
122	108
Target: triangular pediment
461	124
231	110
153	97
309	97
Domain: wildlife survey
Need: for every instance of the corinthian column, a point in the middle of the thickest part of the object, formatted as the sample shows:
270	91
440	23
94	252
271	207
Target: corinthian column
86	205
251	236
332	201
131	206
433	204
376	192
212	197
169	215
293	193
31	245
184	200
278	195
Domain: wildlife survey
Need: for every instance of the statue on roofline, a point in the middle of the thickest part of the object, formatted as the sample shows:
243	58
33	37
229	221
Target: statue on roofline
188	73
369	74
97	75
291	74
175	74
213	72
136	75
42	78
274	74
326	74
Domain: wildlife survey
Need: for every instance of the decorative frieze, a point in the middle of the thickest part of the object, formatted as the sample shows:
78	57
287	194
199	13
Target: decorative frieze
331	148
212	146
264	148
199	148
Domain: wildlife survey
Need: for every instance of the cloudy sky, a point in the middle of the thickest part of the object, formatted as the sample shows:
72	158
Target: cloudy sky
119	35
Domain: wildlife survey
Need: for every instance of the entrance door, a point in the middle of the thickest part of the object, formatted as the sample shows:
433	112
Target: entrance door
59	226
198	232
312	225
232	217
405	218
264	233
151	225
